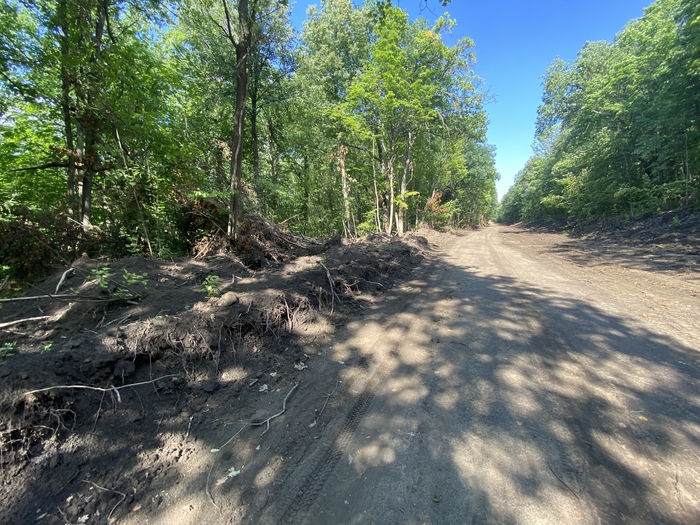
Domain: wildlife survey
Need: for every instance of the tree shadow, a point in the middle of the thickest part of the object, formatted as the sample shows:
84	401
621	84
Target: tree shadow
462	398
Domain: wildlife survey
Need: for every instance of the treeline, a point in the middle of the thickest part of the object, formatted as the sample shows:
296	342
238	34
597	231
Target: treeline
141	125
618	132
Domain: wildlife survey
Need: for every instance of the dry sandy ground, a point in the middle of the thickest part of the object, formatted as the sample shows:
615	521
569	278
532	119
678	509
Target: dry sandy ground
513	377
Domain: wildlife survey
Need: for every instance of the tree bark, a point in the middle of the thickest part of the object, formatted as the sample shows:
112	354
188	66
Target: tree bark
342	151
242	47
400	216
66	108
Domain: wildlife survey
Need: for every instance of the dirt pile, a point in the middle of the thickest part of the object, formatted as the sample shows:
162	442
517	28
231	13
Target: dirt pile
145	345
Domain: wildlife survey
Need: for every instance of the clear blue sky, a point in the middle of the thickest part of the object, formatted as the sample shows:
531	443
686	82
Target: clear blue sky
515	42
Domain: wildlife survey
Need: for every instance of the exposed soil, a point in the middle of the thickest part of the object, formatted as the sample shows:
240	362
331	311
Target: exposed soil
332	383
77	455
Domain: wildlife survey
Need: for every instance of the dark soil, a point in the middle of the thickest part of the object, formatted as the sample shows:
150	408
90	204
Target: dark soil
184	330
203	340
668	242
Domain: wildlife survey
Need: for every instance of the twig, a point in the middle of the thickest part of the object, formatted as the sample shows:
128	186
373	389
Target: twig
330	283
113	389
118	320
108	490
27	320
65	518
562	482
189	426
284	409
97	416
63	278
46	296
328	397
267	422
4	282
72	296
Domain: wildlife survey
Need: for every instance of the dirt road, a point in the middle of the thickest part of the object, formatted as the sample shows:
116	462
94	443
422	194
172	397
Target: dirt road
507	384
507	376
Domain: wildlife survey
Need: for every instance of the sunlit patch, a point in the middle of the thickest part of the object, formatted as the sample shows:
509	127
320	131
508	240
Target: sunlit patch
373	455
234	374
562	432
444	370
268	473
484	358
484	397
447	400
406	391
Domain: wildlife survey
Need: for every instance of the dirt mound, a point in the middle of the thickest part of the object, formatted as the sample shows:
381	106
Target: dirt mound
106	364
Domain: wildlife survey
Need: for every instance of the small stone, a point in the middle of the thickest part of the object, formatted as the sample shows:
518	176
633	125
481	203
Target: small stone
228	299
437	498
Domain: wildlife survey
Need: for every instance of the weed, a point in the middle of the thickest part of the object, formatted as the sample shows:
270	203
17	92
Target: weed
135	278
99	275
676	221
7	349
211	286
47	347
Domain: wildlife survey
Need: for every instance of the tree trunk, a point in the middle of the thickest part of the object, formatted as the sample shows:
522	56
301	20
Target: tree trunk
389	173
342	151
376	191
400	216
236	186
66	107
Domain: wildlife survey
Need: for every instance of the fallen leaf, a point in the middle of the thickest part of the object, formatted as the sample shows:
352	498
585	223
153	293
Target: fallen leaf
233	473
642	418
300	366
263	388
312	425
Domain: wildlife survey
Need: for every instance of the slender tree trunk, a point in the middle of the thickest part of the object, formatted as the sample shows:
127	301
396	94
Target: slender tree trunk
66	108
90	156
236	182
342	151
392	195
376	191
400	216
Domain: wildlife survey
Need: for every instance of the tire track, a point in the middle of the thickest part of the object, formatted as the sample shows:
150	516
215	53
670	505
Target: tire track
299	501
296	506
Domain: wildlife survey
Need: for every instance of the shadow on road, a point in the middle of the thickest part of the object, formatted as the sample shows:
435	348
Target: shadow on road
495	402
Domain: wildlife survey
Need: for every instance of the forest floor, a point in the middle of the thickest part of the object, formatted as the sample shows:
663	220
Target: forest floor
508	375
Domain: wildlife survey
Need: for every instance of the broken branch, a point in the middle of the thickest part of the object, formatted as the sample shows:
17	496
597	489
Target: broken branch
27	320
113	389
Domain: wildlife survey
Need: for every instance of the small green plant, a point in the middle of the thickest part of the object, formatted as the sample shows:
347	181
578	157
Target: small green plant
211	286
99	275
135	278
676	221
47	346
7	349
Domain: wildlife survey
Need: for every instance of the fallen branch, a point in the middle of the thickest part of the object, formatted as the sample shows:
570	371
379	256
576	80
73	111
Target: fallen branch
330	283
563	483
63	278
73	297
114	389
328	397
27	320
256	424
108	490
47	296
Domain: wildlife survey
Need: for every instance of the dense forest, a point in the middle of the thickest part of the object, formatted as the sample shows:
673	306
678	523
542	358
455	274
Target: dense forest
136	126
618	131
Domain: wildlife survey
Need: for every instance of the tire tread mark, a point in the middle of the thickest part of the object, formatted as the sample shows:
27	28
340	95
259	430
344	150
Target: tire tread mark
295	506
